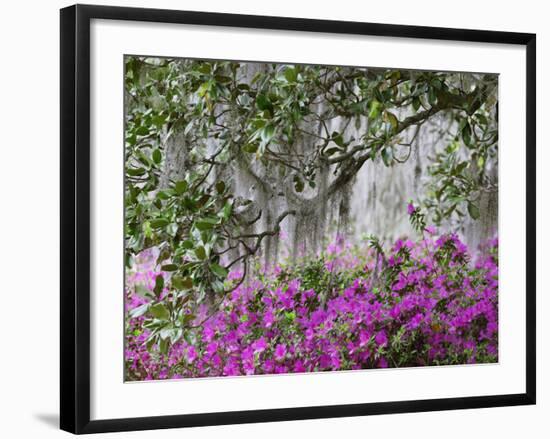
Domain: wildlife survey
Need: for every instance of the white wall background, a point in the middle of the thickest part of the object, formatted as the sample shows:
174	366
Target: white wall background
29	200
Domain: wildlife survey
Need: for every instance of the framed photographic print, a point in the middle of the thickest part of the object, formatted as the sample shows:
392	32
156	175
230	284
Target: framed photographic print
285	218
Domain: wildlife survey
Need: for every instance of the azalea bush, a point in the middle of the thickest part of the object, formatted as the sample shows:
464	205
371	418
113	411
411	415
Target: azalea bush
223	158
423	303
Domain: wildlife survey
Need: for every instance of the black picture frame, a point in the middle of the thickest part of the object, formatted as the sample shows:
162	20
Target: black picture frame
75	217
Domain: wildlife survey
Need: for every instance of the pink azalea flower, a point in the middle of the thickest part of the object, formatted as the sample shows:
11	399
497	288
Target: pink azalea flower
191	354
280	352
381	338
259	345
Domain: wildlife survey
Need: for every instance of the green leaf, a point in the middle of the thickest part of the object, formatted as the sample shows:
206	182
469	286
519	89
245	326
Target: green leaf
186	318
157	223
180	187
150	343
223	79
267	133
482	119
251	148
163	195
159	285
219	271
205	68
467	134
142	131
211	219
159	120
200	252
338	139
374	109
432	97
436	83
169	267
143	158
473	210
298	184
392	119
187	244
387	156
190	204
159	311
460	167
182	283
290	315
481	162
204	225
139	311
157	156
227	209
135	172
262	102
203	89
290	74
163	346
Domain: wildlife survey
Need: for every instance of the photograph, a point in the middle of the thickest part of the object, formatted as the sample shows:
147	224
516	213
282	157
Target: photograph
292	218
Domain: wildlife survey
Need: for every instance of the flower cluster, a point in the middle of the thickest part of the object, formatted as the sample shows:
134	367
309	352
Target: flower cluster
423	303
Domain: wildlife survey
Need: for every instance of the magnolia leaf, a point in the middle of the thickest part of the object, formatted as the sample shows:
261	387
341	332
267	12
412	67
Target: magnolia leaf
290	74
473	210
227	209
182	283
142	131
392	119
159	311
187	244
159	285
387	156
250	148
180	187
338	139
267	133
157	223
163	346
374	109
467	134
135	172
139	311
169	267
219	271
200	252
298	184
157	156
262	102
204	225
